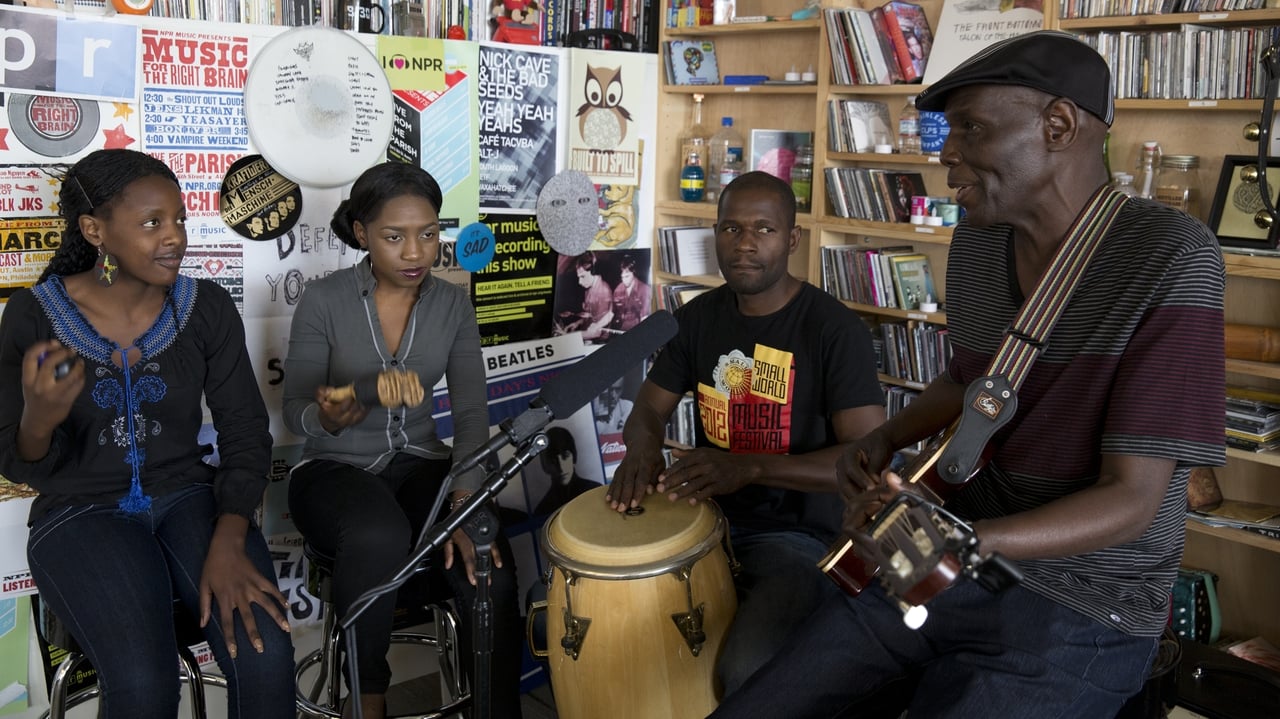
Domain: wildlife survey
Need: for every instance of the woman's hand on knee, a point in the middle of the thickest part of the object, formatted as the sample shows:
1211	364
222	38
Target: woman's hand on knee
231	578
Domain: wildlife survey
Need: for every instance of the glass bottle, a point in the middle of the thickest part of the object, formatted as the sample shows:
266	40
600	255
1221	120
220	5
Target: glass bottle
1177	183
695	136
909	128
1148	164
724	143
802	177
692	179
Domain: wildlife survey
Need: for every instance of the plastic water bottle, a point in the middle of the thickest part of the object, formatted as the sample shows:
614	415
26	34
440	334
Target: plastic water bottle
802	177
909	128
1123	182
725	143
731	169
693	180
1148	166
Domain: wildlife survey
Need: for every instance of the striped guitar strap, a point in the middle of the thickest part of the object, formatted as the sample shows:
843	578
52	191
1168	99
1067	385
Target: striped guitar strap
992	400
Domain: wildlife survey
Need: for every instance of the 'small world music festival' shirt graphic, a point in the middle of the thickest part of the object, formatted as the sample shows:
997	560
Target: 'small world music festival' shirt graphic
749	407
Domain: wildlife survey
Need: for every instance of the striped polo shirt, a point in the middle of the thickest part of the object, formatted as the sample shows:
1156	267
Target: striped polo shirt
1134	366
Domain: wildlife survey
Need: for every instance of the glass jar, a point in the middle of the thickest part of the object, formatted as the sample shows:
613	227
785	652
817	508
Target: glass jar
1177	183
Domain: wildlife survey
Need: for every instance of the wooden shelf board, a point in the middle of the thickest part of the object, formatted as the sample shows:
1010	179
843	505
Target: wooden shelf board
744	28
1270	370
938	318
1239	536
1268	458
666	278
1186	104
891	158
743	89
904	90
899	382
888	230
704	210
1262	266
1134	22
707	211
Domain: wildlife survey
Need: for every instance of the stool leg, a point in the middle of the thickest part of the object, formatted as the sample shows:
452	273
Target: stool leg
331	661
58	690
59	702
195	683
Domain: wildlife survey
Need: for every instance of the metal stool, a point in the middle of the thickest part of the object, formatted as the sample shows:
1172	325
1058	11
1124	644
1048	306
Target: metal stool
329	680
53	632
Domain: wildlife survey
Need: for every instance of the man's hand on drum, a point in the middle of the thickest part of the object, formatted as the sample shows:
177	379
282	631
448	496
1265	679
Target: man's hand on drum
634	478
704	473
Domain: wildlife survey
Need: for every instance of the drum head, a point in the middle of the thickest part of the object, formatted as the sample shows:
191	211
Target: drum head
587	531
318	106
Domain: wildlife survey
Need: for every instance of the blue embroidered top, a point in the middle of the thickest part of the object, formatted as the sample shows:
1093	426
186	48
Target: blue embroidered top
139	425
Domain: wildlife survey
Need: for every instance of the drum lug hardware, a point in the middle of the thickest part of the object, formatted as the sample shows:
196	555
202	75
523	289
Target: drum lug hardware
690	623
575	630
690	626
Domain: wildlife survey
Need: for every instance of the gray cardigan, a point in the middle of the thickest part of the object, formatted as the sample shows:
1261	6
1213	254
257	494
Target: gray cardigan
336	338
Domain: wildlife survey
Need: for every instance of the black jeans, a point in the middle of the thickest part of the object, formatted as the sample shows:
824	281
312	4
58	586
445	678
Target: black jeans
368	523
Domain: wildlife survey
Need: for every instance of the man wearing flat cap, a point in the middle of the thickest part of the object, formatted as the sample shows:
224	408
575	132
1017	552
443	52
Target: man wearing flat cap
1116	391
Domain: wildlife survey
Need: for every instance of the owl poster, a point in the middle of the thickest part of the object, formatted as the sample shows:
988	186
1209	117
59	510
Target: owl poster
605	90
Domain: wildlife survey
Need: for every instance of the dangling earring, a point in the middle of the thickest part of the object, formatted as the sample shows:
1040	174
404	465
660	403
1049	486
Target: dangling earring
106	268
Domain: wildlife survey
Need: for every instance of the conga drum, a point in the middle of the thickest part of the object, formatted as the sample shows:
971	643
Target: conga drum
638	605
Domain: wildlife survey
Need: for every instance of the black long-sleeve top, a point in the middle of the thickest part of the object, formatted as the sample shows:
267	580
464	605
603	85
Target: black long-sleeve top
146	419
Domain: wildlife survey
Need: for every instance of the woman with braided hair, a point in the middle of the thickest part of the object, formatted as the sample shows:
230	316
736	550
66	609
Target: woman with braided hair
103	366
370	474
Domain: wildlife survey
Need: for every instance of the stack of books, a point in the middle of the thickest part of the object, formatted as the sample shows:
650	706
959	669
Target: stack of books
858	125
688	250
896	277
1262	519
882	46
863	193
1253	419
690	62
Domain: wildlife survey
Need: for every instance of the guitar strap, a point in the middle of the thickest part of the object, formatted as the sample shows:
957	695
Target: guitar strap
992	400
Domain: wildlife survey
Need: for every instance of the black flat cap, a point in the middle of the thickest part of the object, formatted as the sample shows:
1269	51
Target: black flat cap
1050	61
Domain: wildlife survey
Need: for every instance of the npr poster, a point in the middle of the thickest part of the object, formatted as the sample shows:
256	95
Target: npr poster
436	116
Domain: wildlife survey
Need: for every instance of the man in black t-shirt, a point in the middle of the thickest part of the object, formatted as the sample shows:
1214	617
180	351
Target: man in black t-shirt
782	373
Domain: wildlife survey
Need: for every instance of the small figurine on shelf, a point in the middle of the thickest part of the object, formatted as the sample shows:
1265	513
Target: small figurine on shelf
515	21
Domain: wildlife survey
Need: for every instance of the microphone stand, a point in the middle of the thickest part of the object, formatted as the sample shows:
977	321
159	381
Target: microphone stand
481	527
1271	67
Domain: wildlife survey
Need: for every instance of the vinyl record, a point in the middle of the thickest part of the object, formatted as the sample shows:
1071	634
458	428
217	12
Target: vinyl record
258	202
318	106
53	126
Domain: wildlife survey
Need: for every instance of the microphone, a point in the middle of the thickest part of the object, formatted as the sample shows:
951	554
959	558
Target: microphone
573	388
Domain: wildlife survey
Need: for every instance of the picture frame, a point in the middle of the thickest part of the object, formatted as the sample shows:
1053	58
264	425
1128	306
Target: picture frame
1235	202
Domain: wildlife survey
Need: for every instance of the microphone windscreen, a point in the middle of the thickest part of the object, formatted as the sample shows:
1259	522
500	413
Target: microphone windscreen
568	212
579	384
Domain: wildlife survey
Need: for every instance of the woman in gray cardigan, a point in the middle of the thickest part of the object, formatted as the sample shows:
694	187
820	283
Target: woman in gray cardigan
369	475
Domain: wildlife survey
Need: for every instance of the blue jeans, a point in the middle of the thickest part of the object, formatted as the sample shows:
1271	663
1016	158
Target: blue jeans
111	578
1010	655
779	586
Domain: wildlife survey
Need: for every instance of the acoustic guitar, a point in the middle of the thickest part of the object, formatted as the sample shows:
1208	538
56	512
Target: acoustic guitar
917	550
